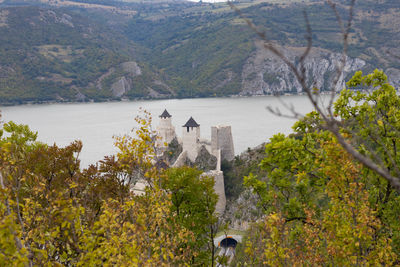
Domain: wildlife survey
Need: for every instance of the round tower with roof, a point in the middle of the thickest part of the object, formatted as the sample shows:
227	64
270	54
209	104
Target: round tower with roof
190	138
165	130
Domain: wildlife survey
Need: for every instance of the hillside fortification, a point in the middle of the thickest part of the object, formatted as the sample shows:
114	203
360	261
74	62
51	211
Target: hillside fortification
193	148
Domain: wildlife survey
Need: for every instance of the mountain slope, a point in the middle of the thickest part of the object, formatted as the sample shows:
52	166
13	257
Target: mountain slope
216	53
60	52
48	55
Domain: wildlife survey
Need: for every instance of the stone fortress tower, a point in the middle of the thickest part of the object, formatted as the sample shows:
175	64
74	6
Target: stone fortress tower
221	139
220	146
191	138
165	130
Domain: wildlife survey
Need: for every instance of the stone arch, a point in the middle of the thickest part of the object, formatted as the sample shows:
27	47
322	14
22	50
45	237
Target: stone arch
228	242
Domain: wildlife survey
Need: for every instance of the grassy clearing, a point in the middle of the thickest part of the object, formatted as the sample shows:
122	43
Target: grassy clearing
63	53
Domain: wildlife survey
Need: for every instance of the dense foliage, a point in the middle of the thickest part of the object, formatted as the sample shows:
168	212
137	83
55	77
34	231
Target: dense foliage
321	207
54	213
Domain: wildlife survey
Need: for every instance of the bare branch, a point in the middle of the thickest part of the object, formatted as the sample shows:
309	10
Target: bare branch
308	37
367	162
331	123
345	34
276	111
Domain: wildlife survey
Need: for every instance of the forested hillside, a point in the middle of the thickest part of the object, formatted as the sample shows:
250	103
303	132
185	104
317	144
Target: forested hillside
75	50
54	54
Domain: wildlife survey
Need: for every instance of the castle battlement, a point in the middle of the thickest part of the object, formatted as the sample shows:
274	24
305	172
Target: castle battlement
220	146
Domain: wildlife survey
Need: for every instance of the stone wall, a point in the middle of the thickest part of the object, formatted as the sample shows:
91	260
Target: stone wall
181	160
221	138
219	190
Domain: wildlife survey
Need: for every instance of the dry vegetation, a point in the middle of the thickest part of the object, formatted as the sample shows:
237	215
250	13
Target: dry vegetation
60	3
63	53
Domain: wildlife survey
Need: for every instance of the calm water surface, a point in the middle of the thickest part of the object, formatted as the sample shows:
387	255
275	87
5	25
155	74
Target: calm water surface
95	124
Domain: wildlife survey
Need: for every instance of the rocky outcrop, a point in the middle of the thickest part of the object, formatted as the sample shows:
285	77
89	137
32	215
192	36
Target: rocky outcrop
265	73
121	84
242	211
204	160
120	87
102	77
79	96
57	18
393	77
132	68
173	151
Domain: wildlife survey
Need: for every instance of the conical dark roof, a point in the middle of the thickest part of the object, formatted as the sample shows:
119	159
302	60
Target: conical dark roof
165	114
191	123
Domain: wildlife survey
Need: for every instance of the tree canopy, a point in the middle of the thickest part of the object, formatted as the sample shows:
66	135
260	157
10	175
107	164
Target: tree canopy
319	205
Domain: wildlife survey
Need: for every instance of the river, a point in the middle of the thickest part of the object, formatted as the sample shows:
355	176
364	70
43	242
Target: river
95	124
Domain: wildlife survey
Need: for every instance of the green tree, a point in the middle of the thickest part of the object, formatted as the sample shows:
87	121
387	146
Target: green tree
52	213
193	201
318	200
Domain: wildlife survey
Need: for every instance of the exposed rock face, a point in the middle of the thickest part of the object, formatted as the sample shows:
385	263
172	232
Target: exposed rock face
102	77
79	96
205	161
264	73
393	77
173	151
153	93
120	87
242	211
64	18
132	68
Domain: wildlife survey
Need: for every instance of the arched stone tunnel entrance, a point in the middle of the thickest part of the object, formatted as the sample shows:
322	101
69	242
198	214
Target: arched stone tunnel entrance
228	242
226	245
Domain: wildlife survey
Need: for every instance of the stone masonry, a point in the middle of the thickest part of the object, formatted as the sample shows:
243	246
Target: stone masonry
221	146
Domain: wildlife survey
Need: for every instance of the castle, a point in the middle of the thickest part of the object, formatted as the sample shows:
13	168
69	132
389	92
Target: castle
220	146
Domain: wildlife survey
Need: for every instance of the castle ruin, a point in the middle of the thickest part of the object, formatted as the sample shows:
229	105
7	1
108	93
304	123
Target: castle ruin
220	146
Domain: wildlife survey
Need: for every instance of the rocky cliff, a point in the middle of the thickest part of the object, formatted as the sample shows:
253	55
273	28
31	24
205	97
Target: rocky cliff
265	73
